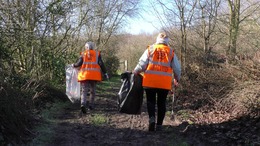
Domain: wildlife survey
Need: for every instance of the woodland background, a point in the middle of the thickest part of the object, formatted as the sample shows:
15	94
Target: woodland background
216	41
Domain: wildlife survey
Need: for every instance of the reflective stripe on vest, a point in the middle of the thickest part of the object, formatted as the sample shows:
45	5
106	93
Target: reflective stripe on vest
90	70
159	72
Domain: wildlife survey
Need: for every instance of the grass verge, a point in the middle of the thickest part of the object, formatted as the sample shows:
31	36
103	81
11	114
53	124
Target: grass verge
45	131
98	120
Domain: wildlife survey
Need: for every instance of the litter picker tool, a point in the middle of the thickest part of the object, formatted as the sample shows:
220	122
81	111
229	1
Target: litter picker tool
108	80
172	102
173	98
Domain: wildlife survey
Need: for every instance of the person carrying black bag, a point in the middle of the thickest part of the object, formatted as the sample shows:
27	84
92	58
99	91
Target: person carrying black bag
159	63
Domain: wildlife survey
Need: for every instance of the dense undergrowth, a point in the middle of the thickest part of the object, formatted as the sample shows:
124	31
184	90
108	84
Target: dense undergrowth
221	87
22	99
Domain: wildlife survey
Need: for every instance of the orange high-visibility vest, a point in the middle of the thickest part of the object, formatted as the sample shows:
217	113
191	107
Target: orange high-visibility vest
90	70
159	72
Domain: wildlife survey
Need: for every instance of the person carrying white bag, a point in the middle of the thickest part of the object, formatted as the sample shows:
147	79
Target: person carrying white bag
90	67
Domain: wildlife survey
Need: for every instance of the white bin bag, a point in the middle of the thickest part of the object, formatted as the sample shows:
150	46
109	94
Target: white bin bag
72	84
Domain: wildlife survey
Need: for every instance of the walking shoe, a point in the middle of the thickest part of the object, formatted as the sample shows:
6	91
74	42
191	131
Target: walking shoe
151	124
83	109
91	106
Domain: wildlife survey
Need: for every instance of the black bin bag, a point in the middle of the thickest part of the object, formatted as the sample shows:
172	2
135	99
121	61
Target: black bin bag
130	96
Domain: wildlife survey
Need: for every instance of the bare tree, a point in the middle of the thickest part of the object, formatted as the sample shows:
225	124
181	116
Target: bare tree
184	11
234	7
109	16
237	15
209	13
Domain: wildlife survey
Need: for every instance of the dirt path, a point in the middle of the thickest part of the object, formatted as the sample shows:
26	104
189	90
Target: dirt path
105	126
75	128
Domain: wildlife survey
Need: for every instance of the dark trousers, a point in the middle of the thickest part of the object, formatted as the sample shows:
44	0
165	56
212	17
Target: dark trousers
161	103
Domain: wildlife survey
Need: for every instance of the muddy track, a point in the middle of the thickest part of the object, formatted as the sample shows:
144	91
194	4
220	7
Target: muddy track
117	129
75	128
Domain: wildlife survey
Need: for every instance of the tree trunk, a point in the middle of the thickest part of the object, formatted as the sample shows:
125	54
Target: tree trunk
233	28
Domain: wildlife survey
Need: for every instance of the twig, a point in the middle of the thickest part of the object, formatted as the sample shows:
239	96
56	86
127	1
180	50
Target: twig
186	128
